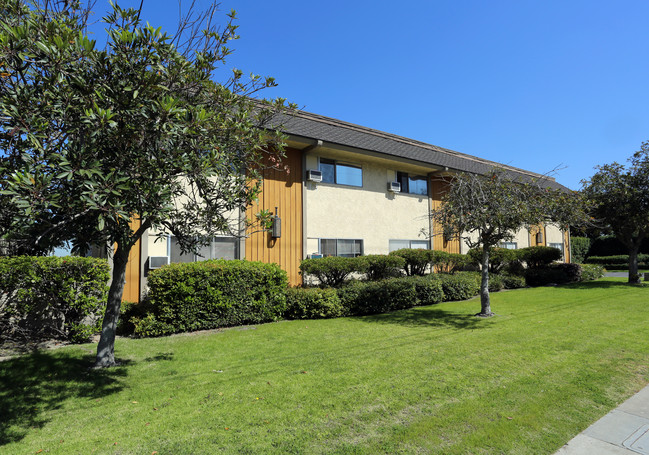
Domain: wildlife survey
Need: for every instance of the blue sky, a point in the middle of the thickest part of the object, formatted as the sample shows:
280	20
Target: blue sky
532	84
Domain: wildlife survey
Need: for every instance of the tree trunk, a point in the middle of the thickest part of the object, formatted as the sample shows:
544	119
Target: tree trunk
485	301
106	346
634	276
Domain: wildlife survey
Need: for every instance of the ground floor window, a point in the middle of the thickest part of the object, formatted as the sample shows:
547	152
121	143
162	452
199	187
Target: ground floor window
349	248
219	248
509	245
414	244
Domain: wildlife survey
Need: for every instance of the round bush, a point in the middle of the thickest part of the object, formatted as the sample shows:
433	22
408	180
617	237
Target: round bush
417	260
460	286
332	271
313	303
429	289
382	266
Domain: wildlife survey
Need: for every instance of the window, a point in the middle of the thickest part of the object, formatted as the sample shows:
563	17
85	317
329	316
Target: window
509	245
414	244
220	248
413	184
340	173
349	248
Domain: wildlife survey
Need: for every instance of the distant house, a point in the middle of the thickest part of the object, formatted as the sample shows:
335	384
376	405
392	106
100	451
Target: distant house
351	191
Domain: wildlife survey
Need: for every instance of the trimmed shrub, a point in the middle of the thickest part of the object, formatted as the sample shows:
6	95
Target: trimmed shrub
513	281
620	260
579	247
373	297
496	282
499	258
553	274
449	262
429	289
539	256
52	297
332	271
313	303
460	286
590	272
417	260
381	266
211	294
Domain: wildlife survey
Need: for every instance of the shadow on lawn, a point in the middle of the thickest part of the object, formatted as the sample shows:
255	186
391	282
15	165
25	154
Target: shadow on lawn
599	284
429	316
41	382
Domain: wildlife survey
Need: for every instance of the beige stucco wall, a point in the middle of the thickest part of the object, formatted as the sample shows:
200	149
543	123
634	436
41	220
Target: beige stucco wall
370	212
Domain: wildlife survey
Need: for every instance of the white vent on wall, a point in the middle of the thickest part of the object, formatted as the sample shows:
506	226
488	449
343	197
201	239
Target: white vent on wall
155	262
394	187
314	175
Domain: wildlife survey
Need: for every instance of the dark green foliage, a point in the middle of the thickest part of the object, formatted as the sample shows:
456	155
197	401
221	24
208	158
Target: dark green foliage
417	260
313	303
591	272
429	289
579	247
381	266
373	297
553	274
539	256
512	281
460	286
617	260
334	270
211	294
499	258
449	262
496	283
52	297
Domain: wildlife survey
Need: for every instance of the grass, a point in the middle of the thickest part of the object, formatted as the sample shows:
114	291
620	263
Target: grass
427	380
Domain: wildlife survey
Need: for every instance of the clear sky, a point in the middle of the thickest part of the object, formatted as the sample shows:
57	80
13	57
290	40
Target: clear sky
529	83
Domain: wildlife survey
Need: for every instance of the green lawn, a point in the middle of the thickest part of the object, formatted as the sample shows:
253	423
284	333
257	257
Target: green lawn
428	380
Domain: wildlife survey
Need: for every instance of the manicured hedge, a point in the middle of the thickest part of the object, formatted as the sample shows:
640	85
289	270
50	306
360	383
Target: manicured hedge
617	260
460	286
513	281
579	247
381	266
428	288
52	297
591	272
332	271
211	294
372	297
449	262
417	260
539	256
499	258
553	274
313	303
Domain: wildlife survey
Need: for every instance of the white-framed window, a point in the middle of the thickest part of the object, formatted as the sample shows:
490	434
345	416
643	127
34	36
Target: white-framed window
509	245
397	244
340	173
349	248
219	248
413	184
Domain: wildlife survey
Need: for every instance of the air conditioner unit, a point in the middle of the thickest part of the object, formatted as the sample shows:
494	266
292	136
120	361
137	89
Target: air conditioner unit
155	262
314	256
314	175
394	187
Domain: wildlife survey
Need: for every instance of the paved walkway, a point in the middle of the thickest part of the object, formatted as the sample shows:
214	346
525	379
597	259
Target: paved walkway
623	431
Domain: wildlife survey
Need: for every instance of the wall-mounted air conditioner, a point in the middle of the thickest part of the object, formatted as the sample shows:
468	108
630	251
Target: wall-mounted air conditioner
314	256
155	262
394	187
314	175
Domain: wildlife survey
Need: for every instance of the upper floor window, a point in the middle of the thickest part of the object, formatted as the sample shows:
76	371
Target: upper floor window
341	173
413	184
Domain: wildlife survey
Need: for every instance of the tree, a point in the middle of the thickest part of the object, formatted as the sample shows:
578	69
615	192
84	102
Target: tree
101	145
621	202
485	210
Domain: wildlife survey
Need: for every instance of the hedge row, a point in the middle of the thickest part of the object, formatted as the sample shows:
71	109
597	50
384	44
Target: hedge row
617	260
52	297
209	294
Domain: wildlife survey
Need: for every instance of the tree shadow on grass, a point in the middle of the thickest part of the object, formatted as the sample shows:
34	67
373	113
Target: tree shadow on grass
429	316
603	284
36	384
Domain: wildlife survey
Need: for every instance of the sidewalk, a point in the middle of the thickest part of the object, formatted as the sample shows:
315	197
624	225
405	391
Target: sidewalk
624	430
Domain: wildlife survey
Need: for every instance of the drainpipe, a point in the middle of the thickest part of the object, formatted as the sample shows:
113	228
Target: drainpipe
306	151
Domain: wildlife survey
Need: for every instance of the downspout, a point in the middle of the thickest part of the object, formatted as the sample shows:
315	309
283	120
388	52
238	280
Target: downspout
305	151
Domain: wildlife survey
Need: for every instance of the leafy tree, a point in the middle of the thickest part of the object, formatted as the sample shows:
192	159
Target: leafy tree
621	201
485	210
101	145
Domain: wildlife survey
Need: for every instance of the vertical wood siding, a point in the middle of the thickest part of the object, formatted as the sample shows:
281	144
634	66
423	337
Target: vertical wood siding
284	191
439	187
132	285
